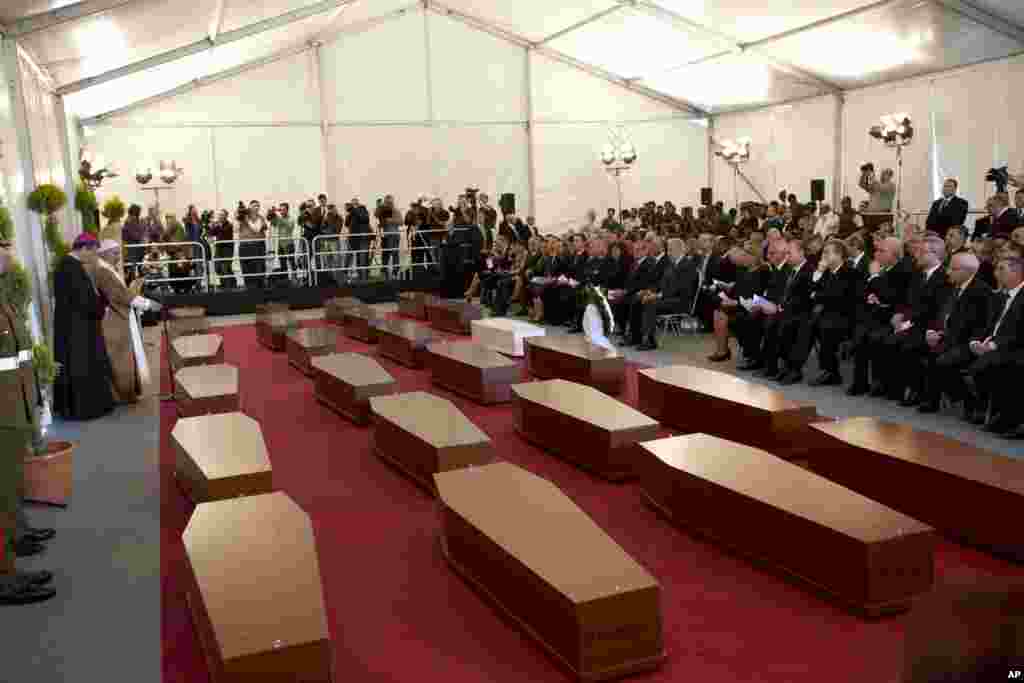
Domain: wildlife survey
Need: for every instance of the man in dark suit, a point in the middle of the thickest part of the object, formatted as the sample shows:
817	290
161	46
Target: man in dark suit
926	300
1001	220
947	211
967	313
859	261
1019	207
599	270
783	320
996	353
749	326
832	304
674	294
877	299
647	277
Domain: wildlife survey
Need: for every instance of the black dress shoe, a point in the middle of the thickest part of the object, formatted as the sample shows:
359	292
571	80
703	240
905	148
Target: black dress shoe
40	578
720	357
647	346
911	399
878	390
790	378
977	418
768	373
26	548
826	379
750	364
928	407
857	390
575	329
1000	425
40	535
24	593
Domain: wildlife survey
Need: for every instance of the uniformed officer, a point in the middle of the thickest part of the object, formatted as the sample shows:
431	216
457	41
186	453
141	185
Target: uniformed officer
18	397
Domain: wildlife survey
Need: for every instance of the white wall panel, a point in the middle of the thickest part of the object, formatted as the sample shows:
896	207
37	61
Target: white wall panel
672	163
492	158
476	77
791	145
126	148
270	165
281	91
377	75
369	162
564	93
863	109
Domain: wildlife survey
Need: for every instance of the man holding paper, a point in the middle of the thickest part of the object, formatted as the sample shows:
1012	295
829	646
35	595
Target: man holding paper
783	327
749	324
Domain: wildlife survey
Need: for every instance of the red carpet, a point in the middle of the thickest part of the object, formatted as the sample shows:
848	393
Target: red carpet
398	613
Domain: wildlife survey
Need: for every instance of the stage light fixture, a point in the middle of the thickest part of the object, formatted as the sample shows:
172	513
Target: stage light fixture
896	130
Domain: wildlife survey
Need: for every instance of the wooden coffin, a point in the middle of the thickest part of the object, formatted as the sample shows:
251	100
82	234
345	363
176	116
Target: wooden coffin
504	335
969	494
864	555
221	456
273	325
423	434
472	371
582	425
255	591
542	561
186	320
197	349
306	343
413	304
452	316
360	321
572	357
206	390
345	382
694	400
403	341
335	307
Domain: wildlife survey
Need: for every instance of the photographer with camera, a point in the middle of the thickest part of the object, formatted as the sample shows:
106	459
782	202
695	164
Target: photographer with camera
415	221
253	249
357	220
332	243
881	195
390	219
282	243
221	233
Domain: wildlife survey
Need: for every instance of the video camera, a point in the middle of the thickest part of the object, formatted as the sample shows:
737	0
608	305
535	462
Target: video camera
867	168
999	176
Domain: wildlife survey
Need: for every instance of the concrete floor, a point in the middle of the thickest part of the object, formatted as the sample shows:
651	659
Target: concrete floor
106	617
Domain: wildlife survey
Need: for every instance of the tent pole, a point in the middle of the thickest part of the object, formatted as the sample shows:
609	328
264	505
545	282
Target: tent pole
69	161
431	113
837	170
531	158
317	63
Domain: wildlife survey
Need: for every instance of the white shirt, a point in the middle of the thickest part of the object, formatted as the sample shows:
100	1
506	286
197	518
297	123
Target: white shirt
928	274
826	225
856	260
1009	302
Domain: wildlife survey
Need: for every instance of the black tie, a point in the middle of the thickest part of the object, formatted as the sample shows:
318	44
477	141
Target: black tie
1003	299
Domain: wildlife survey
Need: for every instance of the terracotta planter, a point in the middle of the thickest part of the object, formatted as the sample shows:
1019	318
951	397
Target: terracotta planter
48	477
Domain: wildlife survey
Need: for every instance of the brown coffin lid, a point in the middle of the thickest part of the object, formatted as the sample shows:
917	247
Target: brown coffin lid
182	312
583	403
930	450
573	345
198	346
758	475
471	354
208	381
408	329
535	522
353	368
725	387
314	337
433	419
256	565
225	445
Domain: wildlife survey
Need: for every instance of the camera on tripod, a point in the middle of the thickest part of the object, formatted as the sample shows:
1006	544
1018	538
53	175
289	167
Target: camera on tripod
867	168
999	176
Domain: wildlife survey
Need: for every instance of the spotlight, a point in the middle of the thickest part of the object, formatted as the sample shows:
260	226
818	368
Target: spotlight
896	130
143	174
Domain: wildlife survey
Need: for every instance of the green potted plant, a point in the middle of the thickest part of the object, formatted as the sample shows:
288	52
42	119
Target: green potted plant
47	200
48	470
86	204
113	211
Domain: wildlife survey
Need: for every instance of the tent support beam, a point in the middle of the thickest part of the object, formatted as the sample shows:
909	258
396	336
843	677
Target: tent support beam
580	24
69	160
531	154
989	20
838	160
232	36
62	15
217	22
711	154
317	63
487	27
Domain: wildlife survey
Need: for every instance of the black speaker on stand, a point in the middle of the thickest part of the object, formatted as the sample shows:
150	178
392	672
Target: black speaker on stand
705	196
818	190
507	204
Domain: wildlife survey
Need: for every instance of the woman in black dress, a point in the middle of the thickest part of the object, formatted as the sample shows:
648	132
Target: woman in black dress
83	388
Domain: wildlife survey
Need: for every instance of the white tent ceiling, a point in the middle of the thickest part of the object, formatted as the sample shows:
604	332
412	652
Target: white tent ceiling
707	56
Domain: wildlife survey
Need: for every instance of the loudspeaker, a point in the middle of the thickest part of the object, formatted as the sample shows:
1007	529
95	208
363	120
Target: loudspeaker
705	196
818	190
507	204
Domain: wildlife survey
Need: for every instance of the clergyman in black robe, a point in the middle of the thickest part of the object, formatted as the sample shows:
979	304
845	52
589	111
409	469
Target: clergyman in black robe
83	388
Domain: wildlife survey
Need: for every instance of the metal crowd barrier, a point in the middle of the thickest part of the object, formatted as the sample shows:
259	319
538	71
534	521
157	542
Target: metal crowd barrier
143	267
271	253
332	255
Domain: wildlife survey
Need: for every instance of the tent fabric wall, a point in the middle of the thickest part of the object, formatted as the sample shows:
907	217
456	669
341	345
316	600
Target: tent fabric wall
791	146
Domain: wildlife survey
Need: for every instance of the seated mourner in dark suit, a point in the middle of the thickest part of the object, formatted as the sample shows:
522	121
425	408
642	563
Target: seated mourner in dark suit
829	320
998	350
947	211
647	272
674	294
926	300
948	353
600	270
782	321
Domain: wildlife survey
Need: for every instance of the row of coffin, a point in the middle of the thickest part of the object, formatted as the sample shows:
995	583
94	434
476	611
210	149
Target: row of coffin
595	608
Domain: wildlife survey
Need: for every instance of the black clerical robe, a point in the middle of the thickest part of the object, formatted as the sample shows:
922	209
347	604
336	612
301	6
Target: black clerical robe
83	388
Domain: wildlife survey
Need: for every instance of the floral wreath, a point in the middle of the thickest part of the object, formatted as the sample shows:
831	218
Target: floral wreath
597	297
